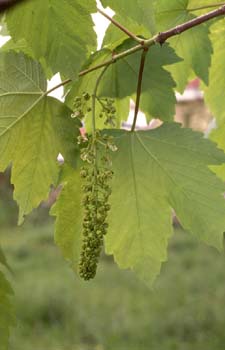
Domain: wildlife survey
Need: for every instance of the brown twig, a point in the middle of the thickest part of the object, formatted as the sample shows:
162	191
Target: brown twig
162	37
159	38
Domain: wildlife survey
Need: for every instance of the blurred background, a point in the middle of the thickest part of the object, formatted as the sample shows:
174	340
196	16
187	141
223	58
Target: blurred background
57	311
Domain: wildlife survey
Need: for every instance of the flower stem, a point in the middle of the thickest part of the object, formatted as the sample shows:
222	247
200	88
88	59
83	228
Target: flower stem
94	96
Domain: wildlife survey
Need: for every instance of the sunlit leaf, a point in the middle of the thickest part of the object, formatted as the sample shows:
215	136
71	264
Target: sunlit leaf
194	45
64	35
157	171
34	128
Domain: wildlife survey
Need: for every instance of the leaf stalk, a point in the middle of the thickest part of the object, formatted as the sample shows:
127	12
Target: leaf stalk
120	26
139	86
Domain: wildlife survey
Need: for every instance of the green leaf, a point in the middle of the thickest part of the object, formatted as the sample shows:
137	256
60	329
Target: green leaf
63	37
22	46
3	29
140	11
215	93
34	128
87	84
3	260
19	46
203	6
218	136
157	84
156	171
69	213
115	37
7	312
170	14
120	80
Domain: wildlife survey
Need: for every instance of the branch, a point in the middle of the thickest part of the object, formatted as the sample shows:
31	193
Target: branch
159	38
139	86
5	4
65	82
120	26
112	60
162	37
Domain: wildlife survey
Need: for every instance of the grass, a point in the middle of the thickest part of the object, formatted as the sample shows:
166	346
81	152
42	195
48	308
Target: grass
57	311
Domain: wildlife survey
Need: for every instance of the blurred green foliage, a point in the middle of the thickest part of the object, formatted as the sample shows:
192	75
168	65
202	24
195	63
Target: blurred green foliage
57	311
9	208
